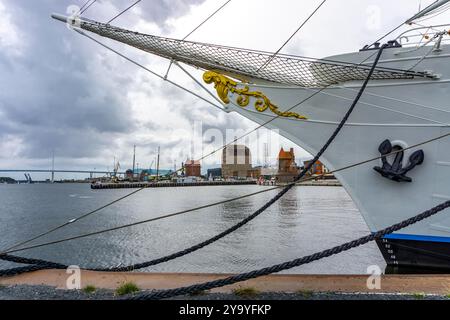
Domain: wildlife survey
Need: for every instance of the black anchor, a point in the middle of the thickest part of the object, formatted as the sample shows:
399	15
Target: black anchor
395	171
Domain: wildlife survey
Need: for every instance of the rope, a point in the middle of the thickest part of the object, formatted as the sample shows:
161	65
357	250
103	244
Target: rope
290	38
138	223
396	28
84	6
126	268
39	261
274	199
190	33
207	155
204	21
393	153
87	8
121	13
72	221
147	69
29	261
164	294
20	270
258	127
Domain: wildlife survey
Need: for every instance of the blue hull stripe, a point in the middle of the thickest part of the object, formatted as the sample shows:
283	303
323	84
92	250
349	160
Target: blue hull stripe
417	238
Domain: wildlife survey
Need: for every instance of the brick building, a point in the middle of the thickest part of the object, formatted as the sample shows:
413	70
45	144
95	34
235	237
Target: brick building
317	169
192	168
287	168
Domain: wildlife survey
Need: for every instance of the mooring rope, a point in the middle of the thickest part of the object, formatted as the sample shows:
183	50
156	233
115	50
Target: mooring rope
285	189
318	177
139	222
164	294
20	270
134	192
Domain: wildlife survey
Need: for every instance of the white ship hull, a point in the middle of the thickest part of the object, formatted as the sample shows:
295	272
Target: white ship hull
402	103
406	112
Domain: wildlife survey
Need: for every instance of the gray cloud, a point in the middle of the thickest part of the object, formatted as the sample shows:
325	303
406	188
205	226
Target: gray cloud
63	92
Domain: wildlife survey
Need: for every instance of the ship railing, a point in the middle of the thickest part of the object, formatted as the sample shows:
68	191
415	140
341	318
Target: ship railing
424	35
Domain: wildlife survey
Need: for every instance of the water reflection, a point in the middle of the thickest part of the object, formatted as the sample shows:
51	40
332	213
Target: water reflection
304	221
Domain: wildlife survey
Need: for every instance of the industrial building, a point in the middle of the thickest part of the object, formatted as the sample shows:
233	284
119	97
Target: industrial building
214	173
236	162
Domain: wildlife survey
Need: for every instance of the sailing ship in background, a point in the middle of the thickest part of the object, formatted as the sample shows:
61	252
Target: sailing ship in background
405	103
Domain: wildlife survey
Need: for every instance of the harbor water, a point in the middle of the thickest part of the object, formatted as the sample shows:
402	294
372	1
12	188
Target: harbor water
306	220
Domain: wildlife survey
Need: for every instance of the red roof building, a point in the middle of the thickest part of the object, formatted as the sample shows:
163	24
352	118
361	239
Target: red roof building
287	168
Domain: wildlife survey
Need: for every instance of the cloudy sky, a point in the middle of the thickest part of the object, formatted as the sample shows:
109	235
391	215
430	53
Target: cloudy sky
60	91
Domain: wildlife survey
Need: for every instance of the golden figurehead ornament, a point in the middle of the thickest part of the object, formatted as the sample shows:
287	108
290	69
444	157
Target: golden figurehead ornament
225	85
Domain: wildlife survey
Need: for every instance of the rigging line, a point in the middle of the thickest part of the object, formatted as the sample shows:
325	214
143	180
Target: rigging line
285	189
401	101
139	222
396	28
176	255
195	29
424	26
147	69
270	120
204	21
258	127
121	13
435	14
393	30
389	109
230	200
87	8
370	56
191	93
425	55
197	82
84	6
73	220
179	169
219	149
205	156
292	36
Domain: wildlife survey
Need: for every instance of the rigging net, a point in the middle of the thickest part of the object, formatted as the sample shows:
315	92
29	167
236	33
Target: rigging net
285	69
